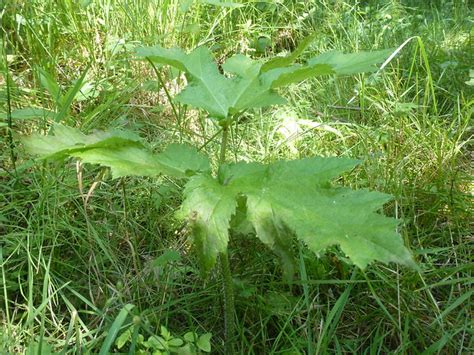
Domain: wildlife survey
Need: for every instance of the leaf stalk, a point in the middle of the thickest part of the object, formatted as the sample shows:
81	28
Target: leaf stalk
229	306
167	93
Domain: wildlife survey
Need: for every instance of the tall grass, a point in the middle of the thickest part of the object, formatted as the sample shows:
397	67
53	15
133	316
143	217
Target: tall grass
77	247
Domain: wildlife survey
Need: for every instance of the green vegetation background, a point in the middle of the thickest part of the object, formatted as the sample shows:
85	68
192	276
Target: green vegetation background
76	246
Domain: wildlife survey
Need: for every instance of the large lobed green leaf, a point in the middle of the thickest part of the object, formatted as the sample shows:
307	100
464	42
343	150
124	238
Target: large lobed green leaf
208	89
122	151
251	83
209	207
294	197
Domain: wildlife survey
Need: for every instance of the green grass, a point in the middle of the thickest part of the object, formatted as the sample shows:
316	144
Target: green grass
69	265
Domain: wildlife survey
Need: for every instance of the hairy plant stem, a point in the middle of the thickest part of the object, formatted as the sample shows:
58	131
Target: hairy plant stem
225	138
229	307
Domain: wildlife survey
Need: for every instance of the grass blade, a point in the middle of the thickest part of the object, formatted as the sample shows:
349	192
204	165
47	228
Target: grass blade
114	329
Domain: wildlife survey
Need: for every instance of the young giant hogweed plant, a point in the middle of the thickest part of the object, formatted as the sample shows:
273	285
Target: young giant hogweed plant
279	200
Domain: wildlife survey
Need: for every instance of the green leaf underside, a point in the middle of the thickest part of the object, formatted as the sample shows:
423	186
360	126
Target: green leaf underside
295	74
183	160
67	140
123	161
252	82
352	63
122	151
293	197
